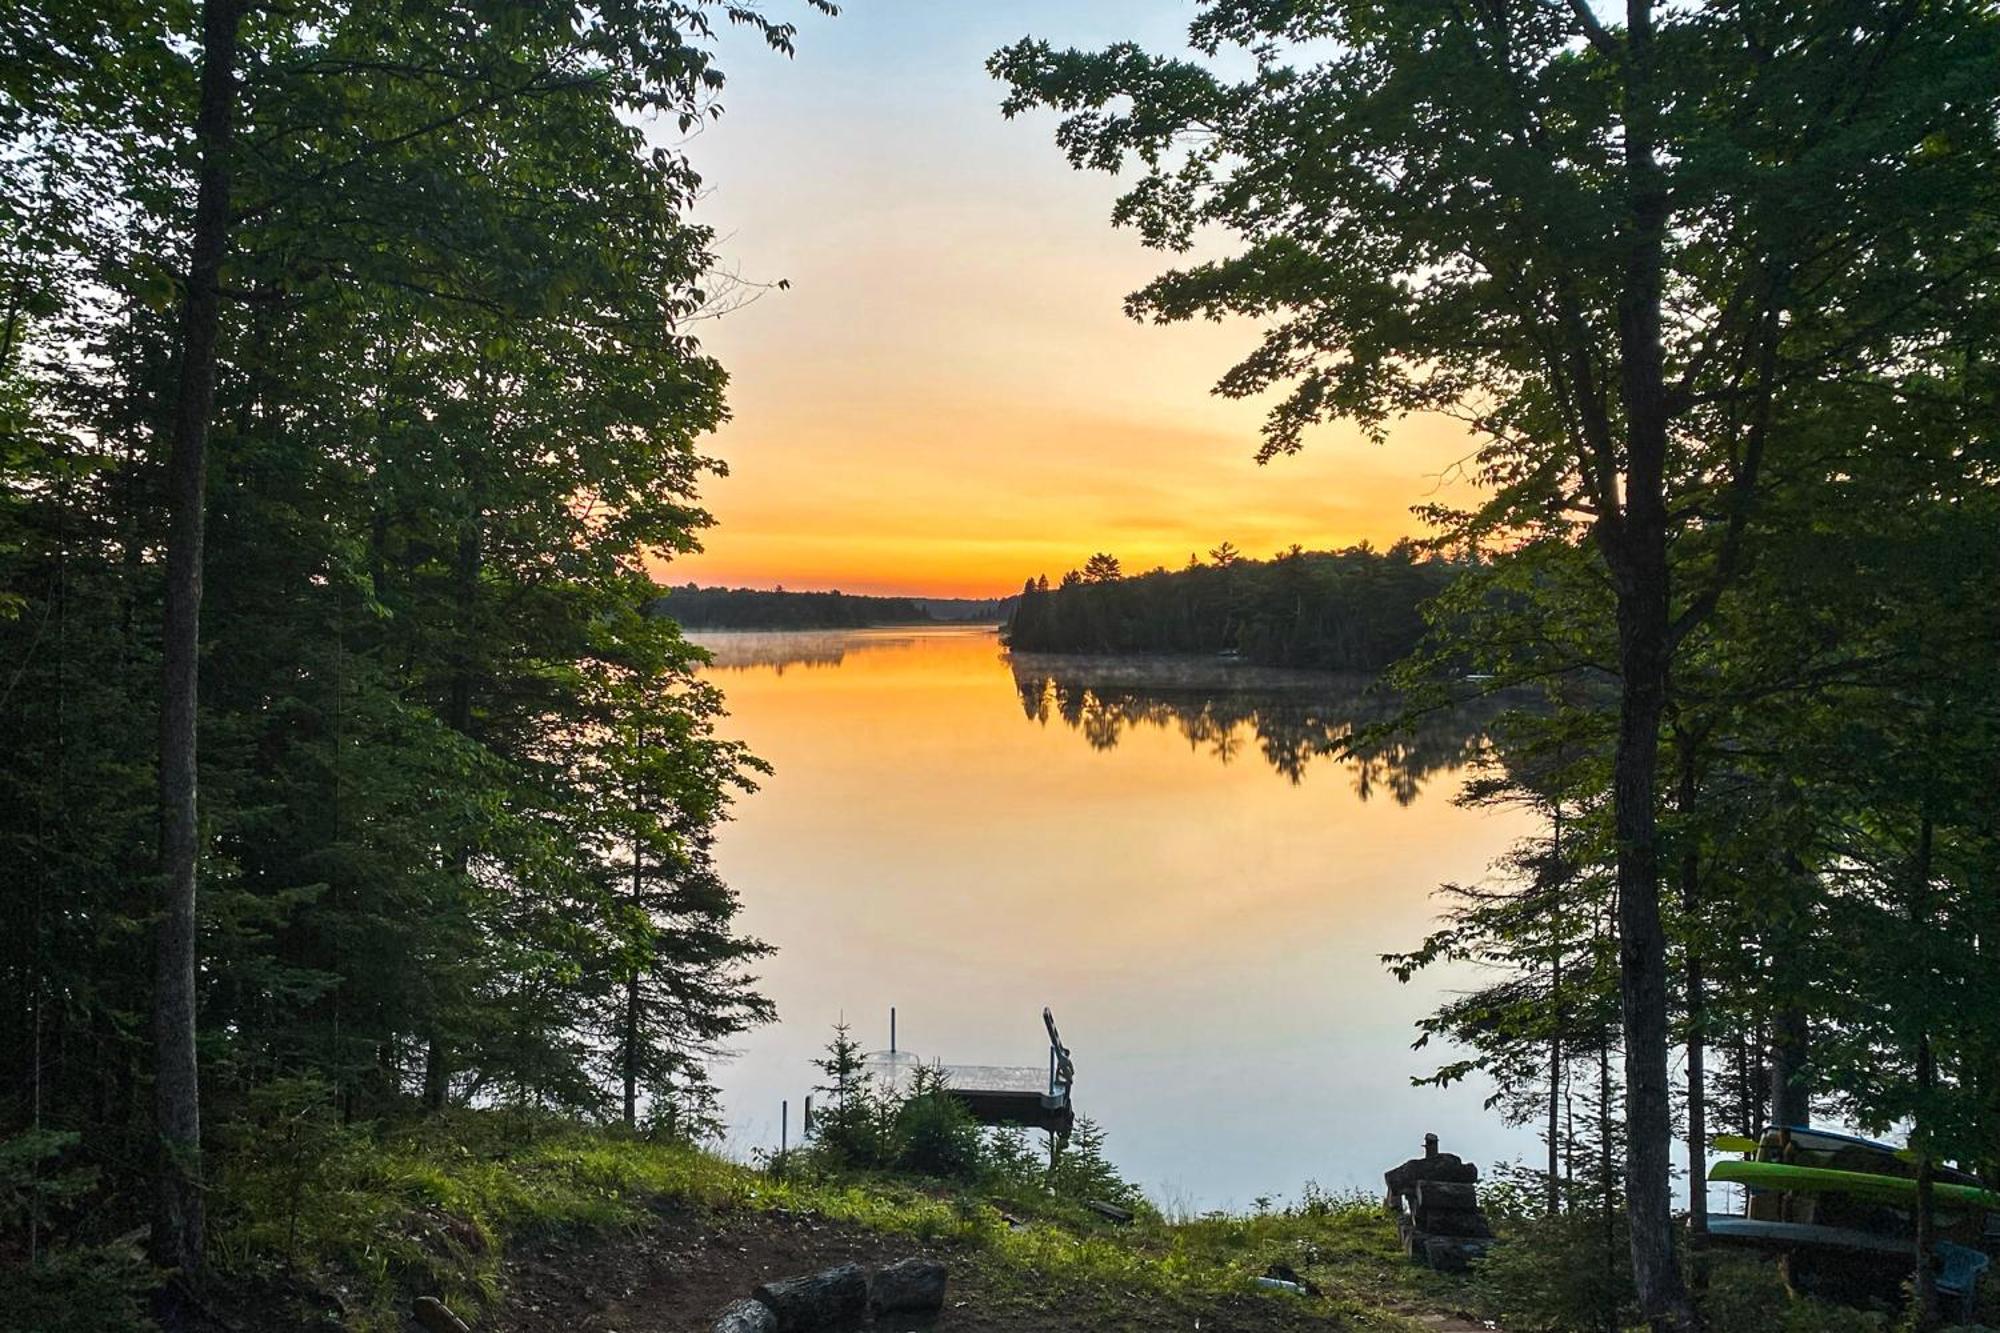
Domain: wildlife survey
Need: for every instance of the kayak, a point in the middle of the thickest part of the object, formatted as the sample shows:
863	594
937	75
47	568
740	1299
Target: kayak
1826	1140
1896	1191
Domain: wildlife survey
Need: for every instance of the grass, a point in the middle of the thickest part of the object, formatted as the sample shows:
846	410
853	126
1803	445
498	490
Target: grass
358	1223
343	1227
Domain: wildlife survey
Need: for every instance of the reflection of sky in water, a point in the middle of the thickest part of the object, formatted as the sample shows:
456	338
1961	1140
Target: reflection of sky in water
1206	932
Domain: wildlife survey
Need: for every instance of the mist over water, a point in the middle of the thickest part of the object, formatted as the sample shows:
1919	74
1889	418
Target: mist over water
1172	856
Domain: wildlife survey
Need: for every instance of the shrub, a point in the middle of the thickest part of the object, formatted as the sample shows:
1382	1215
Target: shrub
78	1289
68	1285
1083	1173
934	1135
1748	1295
1560	1272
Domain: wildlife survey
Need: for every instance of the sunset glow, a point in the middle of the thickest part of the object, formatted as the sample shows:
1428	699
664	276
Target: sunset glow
949	398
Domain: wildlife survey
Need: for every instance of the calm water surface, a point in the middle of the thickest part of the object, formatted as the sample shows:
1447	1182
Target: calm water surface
1165	856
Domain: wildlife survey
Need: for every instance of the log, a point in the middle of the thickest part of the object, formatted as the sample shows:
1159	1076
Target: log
1109	1211
1402	1180
747	1317
1443	1194
436	1316
1452	1254
912	1286
821	1300
1466	1223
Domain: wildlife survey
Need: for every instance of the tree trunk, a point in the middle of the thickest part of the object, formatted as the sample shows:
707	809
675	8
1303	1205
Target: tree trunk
1637	549
178	1215
1926	1293
631	1052
1791	1094
1555	1110
1607	1176
1555	1039
437	1075
1697	1039
1642	947
467	563
1925	1296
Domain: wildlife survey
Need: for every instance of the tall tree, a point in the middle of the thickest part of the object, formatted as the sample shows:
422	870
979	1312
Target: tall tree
1613	249
352	346
178	1220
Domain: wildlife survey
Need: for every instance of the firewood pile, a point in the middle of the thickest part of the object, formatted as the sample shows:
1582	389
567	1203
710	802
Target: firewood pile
1435	1201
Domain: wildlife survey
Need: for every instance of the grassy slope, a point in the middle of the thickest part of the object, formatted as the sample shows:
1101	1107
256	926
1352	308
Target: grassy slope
359	1227
323	1228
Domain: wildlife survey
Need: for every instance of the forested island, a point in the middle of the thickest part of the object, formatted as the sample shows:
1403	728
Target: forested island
757	608
1356	609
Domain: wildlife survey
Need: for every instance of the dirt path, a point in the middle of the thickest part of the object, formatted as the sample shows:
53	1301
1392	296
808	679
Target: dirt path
676	1276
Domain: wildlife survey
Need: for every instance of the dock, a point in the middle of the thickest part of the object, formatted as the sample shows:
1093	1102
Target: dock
1026	1096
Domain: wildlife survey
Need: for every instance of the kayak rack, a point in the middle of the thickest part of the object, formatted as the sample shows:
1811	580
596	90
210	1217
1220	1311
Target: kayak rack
1840	1211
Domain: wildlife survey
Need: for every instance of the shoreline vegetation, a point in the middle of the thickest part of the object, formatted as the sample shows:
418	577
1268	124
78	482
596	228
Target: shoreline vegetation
698	608
462	1207
536	1223
1351	610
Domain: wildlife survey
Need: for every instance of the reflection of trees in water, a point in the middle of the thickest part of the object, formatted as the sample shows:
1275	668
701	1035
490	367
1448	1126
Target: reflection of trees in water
1294	719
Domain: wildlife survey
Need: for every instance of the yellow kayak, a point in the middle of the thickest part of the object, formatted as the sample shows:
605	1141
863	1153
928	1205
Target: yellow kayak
1896	1191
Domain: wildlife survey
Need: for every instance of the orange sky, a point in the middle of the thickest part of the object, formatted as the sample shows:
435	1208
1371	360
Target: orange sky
949	399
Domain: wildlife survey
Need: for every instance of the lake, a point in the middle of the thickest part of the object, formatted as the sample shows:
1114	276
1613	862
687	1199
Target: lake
1166	854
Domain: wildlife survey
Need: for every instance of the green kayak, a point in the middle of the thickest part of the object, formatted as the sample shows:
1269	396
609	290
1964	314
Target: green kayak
1897	1191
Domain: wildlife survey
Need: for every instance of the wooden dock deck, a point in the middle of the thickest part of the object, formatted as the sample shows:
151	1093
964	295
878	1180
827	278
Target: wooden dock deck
1029	1096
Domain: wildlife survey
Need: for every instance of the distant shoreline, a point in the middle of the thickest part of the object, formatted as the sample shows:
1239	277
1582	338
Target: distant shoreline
995	625
695	607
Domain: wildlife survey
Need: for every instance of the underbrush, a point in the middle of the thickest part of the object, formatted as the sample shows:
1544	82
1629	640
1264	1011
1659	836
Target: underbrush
353	1223
319	1224
1569	1271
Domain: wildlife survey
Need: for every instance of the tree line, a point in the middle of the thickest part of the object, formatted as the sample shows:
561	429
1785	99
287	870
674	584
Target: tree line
757	608
1713	288
696	607
1356	609
348	385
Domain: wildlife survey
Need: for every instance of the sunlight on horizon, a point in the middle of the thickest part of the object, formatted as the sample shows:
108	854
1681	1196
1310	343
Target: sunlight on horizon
949	399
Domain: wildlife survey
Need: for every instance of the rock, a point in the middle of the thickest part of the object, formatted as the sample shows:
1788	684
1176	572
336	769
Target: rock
434	1315
1446	1194
913	1286
822	1300
747	1317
